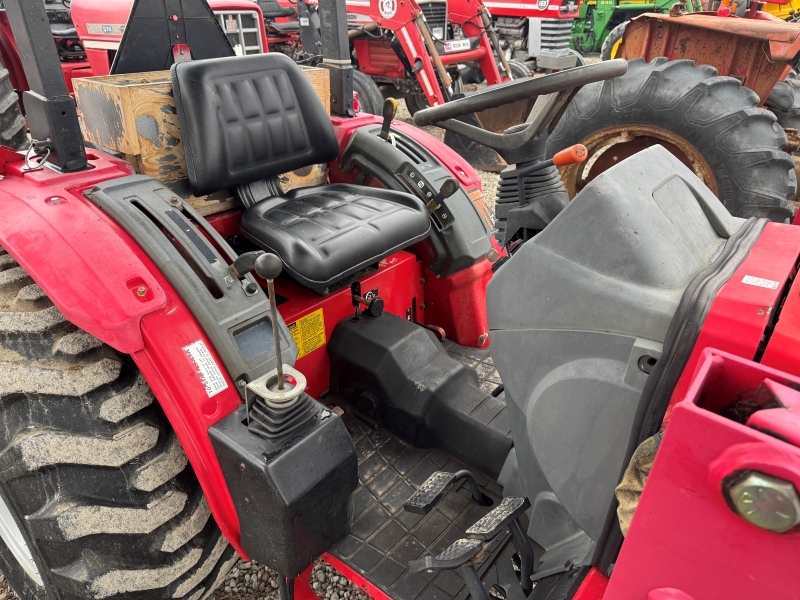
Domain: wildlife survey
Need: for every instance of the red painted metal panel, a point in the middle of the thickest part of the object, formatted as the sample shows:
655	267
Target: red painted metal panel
784	345
398	283
684	538
91	269
741	312
593	586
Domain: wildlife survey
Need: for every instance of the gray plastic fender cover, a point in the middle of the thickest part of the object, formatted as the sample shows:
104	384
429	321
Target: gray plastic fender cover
571	311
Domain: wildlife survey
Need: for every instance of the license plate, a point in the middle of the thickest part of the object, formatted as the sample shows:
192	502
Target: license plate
456	46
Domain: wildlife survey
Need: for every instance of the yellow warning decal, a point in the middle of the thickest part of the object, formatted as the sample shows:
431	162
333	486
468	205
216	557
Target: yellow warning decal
308	332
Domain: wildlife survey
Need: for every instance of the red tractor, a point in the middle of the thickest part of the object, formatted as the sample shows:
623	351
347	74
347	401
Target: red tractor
309	374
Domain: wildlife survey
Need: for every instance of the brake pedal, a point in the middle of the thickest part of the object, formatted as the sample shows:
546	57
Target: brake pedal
457	554
498	518
434	487
462	555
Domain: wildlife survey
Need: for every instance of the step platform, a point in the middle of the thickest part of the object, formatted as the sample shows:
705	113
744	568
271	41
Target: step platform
384	537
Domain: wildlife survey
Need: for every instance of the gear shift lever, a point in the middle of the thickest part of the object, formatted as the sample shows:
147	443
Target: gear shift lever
269	266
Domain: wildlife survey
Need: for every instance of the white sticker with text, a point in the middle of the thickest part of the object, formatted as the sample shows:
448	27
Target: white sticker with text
207	368
758	281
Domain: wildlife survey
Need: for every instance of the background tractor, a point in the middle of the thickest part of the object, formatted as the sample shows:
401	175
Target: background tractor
601	23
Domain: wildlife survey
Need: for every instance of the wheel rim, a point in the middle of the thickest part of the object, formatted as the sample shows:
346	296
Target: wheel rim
615	48
12	536
612	145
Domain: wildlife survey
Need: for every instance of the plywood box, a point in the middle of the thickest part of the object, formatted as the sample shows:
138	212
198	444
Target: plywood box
135	115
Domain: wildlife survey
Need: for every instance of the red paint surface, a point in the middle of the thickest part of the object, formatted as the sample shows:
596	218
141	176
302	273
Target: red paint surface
684	537
782	350
529	8
593	587
740	312
90	269
398	283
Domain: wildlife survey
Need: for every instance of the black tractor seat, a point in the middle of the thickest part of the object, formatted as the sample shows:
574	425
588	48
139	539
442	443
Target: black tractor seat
284	27
247	119
272	9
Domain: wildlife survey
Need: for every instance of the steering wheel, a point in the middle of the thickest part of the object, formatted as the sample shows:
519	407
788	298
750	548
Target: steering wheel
552	92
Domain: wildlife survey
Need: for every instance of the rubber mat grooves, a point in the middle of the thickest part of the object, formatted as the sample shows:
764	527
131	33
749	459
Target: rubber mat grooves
383	537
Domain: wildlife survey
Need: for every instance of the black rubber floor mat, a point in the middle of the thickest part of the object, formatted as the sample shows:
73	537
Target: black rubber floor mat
384	537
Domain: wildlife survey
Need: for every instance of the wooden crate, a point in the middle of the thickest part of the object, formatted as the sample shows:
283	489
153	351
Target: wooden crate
135	115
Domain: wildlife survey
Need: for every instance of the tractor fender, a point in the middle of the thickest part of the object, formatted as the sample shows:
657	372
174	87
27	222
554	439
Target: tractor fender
104	283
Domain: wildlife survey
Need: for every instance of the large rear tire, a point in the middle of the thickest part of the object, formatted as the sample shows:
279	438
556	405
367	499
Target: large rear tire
370	99
100	499
13	132
711	123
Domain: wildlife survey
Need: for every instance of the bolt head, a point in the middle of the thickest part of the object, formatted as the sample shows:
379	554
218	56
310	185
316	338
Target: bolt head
141	291
766	501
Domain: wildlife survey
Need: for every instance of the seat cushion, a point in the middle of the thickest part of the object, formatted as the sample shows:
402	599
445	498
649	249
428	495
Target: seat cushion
285	26
324	234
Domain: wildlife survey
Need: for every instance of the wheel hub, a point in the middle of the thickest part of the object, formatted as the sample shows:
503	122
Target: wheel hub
612	145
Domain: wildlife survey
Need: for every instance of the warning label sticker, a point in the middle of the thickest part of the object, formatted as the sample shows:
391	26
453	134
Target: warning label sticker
207	368
308	332
758	281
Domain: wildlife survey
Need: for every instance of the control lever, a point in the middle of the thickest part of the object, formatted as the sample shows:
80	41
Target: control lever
269	266
374	305
389	111
567	156
243	265
437	206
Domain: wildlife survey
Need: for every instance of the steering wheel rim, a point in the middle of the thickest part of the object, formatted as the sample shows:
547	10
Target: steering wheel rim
521	89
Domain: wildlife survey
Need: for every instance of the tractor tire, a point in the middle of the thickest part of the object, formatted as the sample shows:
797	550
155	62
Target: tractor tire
416	102
608	51
711	123
519	69
97	499
370	98
13	129
790	119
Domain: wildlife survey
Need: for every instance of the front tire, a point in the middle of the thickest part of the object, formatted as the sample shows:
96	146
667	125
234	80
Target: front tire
712	124
95	480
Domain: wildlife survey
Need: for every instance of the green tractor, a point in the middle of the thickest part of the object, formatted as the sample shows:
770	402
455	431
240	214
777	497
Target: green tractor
601	23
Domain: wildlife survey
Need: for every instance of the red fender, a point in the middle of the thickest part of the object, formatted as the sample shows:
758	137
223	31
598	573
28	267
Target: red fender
91	269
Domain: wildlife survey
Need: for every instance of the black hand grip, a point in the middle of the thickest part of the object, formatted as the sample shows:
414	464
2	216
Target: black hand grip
268	266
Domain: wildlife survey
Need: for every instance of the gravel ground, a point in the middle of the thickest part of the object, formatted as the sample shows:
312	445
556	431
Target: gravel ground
253	581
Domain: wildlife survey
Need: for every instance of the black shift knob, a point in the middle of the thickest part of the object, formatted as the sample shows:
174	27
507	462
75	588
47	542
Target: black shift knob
268	266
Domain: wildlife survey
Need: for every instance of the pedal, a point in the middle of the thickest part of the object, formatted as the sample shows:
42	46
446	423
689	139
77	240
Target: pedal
458	554
429	493
498	518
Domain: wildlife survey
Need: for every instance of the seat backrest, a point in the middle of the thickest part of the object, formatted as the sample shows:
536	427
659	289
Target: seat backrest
273	9
247	118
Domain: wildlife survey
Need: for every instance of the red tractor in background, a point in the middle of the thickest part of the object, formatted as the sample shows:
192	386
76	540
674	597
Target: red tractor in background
268	380
537	33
